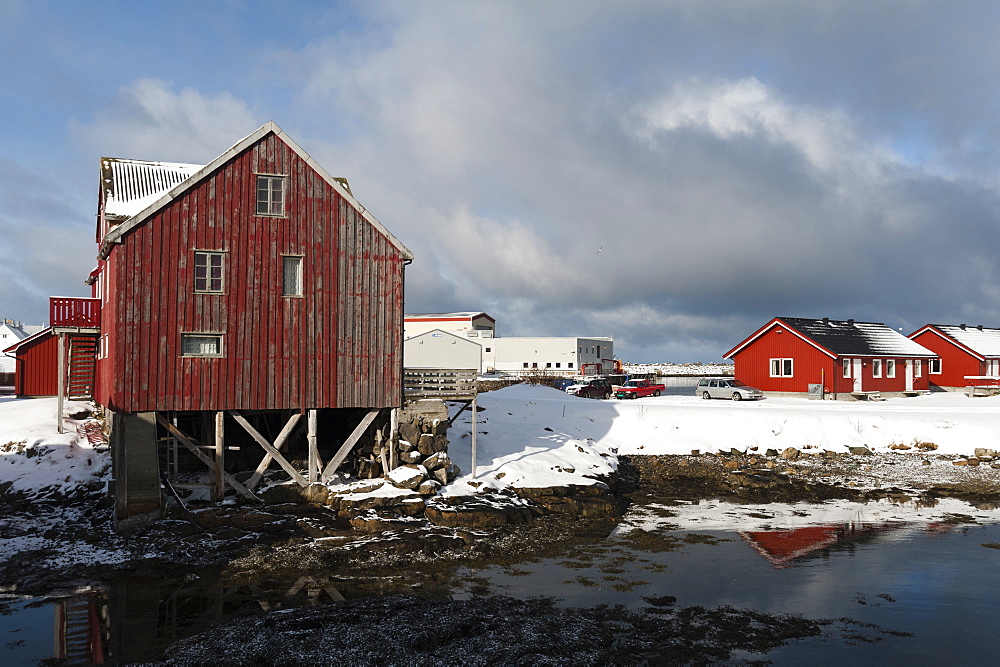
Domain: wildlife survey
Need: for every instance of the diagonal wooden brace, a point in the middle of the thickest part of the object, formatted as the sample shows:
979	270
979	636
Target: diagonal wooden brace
258	474
346	448
269	448
184	440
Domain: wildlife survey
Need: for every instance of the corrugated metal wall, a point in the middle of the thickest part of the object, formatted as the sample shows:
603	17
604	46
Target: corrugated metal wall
337	346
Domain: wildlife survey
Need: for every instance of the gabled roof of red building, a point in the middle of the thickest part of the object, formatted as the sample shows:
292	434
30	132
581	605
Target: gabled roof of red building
153	185
843	338
979	341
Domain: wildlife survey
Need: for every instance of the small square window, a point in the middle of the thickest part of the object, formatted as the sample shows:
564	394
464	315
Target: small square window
208	266
291	284
781	368
569	365
487	349
201	345
270	195
934	366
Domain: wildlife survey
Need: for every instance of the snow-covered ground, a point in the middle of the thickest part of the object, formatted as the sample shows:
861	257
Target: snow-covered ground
536	436
532	435
690	369
34	456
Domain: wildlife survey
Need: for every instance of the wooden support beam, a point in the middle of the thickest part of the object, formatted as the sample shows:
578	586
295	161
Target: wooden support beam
61	388
220	456
346	448
286	430
475	428
269	448
184	440
393	437
465	406
315	462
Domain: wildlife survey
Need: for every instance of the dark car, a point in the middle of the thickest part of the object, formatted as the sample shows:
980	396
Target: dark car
591	388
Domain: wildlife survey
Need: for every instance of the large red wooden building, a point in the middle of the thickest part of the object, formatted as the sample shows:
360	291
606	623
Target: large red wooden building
235	298
967	356
848	359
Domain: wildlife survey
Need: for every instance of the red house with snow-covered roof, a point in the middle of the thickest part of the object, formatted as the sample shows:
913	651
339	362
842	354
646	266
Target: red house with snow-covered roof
850	360
967	355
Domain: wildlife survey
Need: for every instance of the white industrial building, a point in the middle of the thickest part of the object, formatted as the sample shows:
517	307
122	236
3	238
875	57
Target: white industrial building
565	355
442	349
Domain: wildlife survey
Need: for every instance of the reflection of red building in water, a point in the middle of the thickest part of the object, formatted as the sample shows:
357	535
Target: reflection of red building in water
782	547
79	634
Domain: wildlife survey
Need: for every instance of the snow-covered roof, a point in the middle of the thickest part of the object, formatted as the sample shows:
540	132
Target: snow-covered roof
984	341
846	338
130	186
19	330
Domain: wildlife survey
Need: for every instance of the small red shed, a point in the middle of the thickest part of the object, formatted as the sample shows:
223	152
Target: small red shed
849	359
967	356
36	371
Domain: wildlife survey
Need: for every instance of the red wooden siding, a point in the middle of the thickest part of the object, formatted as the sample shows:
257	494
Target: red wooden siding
38	366
65	311
337	346
956	362
753	363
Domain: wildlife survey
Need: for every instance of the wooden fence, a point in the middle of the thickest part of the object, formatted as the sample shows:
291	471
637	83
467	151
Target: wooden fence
442	383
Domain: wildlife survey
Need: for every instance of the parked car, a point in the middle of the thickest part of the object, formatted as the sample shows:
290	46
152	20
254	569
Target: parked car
591	388
639	388
726	388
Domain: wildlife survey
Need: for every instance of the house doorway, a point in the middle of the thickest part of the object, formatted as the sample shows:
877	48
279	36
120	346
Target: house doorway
857	374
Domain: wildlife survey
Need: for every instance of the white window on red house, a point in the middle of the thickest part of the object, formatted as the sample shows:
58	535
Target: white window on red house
208	270
270	195
847	368
201	345
876	368
291	269
781	368
934	366
918	368
890	368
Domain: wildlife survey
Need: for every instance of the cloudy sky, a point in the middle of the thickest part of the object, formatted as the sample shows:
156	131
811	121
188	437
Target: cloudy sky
672	174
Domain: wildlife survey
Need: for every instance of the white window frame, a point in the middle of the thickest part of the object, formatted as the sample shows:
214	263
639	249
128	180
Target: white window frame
191	335
778	370
890	368
300	262
265	202
918	368
209	255
932	364
876	368
847	368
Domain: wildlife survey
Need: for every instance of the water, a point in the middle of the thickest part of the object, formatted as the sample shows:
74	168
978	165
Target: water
920	573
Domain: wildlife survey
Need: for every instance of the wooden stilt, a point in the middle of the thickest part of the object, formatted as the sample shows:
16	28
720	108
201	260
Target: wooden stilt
270	449
61	360
314	460
474	429
393	438
381	452
345	449
193	448
220	456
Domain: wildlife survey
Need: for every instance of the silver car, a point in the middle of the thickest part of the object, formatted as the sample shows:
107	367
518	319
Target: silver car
726	388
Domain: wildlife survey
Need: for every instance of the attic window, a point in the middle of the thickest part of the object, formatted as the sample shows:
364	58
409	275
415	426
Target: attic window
270	195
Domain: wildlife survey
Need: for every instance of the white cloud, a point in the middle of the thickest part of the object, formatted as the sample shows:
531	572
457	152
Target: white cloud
148	120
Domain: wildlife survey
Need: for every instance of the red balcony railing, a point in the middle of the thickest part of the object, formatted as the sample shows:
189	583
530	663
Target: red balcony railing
69	311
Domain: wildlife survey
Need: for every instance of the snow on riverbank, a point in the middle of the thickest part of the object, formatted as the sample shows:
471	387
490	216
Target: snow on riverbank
531	434
34	456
